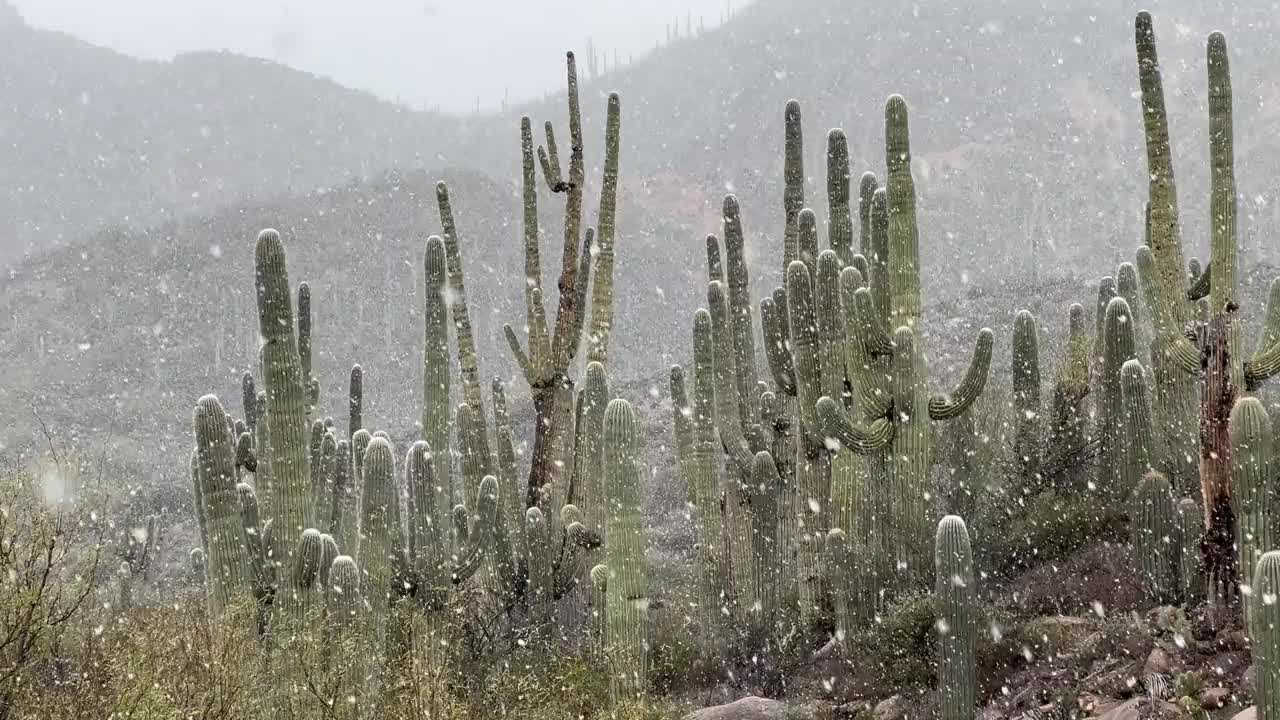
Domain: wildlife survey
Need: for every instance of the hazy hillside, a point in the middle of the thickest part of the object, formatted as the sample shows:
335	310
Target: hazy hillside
92	138
1020	119
1022	114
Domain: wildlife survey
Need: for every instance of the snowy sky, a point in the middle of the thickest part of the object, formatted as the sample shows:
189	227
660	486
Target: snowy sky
426	52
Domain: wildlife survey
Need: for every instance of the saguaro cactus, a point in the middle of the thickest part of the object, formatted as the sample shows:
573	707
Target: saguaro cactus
1265	633
957	619
1027	441
1118	349
290	510
1155	532
628	593
1067	437
229	573
546	363
1217	356
890	366
1252	494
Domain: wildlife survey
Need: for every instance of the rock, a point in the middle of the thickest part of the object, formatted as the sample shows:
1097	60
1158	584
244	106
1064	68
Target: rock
1137	709
751	708
1157	662
1231	664
1246	714
1248	681
895	708
1127	710
1214	698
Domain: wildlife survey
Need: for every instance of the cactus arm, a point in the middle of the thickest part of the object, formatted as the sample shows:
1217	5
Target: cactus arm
532	258
835	424
740	304
1271	328
602	289
1262	367
975	380
804	340
866	192
776	343
874	336
1168	274
467	362
1201	285
304	329
715	266
549	158
840	223
793	181
583	282
517	351
716	334
861	331
1184	354
355	400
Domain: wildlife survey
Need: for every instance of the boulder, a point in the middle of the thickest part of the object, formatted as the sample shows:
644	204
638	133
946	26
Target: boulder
752	708
1214	698
1246	714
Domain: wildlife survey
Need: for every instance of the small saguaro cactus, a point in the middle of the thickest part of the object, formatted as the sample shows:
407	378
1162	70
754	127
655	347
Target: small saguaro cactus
1068	443
1265	635
1118	349
226	548
1250	429
1133	436
1027	442
1155	532
628	593
957	619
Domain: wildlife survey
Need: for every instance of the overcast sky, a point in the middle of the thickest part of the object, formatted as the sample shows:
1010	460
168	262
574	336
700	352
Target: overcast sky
426	52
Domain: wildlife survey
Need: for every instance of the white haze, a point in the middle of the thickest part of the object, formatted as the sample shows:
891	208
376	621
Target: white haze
421	52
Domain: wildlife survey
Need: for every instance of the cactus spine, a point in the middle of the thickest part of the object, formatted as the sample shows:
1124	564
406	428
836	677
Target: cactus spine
957	619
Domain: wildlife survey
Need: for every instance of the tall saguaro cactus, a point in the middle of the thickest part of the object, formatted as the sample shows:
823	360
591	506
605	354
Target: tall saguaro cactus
889	363
1216	356
546	363
1265	634
290	463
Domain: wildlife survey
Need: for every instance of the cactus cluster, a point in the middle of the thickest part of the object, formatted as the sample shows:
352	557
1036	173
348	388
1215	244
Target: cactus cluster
348	555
